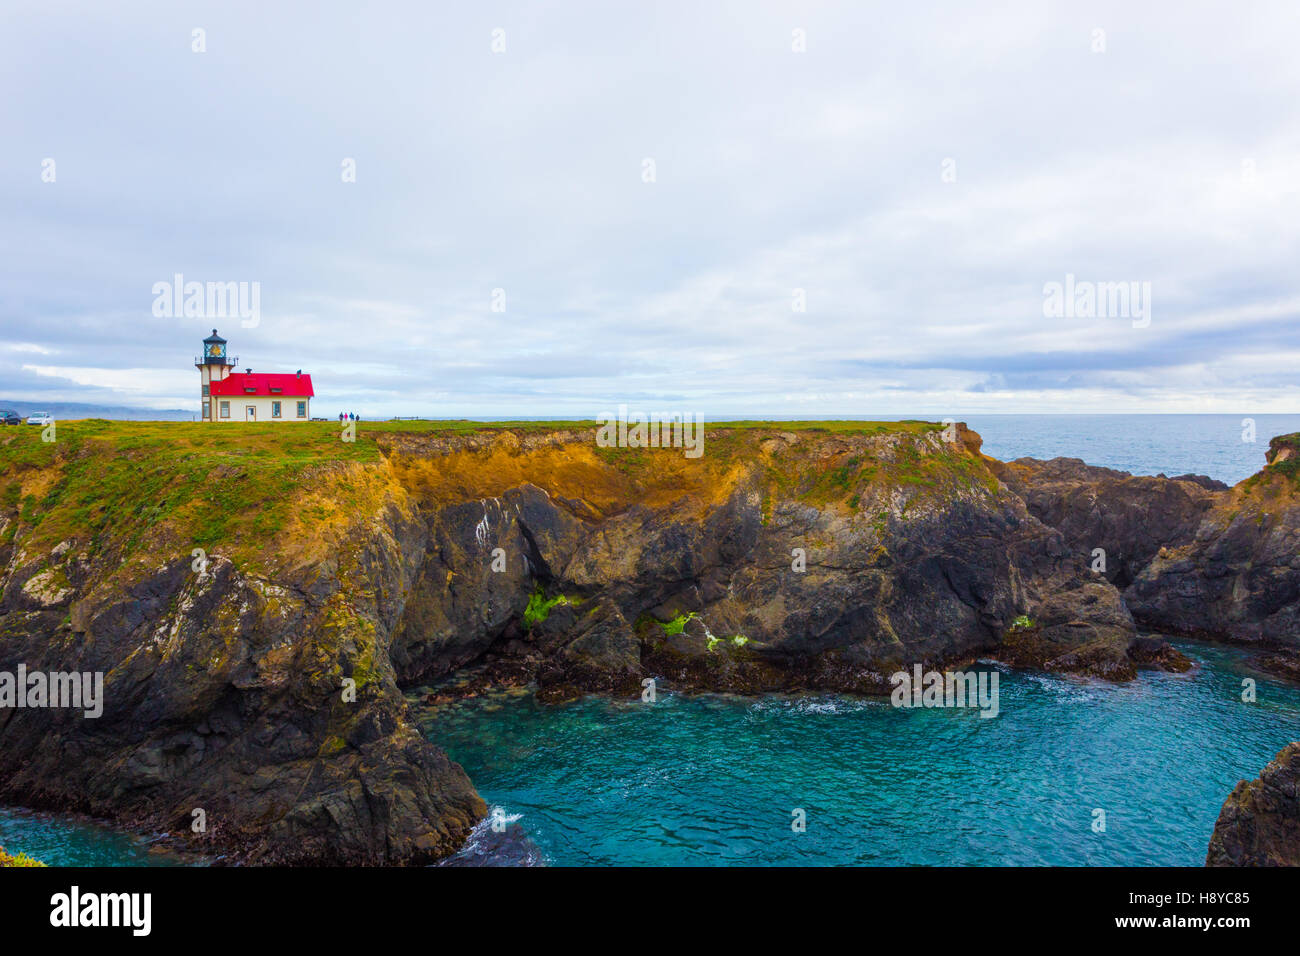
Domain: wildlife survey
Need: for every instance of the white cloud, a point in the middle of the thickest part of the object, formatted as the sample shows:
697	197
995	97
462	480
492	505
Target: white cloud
135	381
1170	158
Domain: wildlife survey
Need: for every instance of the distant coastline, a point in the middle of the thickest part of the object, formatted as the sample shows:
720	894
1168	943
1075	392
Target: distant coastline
112	412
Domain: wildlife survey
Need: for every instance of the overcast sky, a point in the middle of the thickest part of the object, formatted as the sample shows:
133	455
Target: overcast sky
1172	157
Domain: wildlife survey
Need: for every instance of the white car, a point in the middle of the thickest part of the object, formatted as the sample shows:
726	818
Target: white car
40	418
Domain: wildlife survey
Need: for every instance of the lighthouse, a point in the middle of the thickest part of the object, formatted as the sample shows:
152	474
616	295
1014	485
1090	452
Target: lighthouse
213	365
249	396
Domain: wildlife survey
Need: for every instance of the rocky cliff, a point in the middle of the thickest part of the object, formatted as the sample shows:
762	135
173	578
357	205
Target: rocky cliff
796	558
1237	576
1192	556
239	594
258	599
1259	824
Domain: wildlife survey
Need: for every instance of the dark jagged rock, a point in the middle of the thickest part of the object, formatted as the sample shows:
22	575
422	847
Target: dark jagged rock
1153	653
1192	556
912	552
1259	824
224	693
1286	666
1237	579
506	845
1129	517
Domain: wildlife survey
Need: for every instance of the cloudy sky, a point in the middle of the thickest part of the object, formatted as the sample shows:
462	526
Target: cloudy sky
913	177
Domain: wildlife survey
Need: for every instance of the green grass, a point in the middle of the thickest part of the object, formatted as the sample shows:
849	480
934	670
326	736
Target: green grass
540	607
466	426
218	484
835	426
677	624
1288	471
121	479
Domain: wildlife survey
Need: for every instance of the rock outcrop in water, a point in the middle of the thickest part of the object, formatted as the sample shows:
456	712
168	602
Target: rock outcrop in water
1259	824
258	600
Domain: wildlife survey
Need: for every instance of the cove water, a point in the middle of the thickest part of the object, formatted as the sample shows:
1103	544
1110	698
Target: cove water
713	780
62	840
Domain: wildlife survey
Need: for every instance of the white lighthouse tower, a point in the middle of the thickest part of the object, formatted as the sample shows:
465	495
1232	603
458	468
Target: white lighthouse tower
213	365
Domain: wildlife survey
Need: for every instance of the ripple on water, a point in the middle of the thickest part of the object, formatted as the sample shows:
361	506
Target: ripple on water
714	779
64	840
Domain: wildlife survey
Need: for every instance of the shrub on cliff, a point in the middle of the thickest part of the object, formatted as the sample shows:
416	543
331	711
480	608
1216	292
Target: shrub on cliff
1284	456
22	859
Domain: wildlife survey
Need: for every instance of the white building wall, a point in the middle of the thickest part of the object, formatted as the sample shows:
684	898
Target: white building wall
207	375
263	405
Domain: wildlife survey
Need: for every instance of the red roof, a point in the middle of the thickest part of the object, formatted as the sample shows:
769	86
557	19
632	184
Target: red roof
264	383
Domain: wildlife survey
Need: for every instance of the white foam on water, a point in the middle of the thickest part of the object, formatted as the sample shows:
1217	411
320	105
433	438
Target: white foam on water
813	705
1069	691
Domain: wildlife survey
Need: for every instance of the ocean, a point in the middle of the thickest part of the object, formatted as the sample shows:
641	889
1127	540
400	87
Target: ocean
1213	445
712	780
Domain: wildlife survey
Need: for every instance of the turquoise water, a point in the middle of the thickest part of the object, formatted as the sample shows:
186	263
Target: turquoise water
59	840
713	780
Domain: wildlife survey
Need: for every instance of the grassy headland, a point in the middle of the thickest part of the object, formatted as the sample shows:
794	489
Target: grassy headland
144	488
